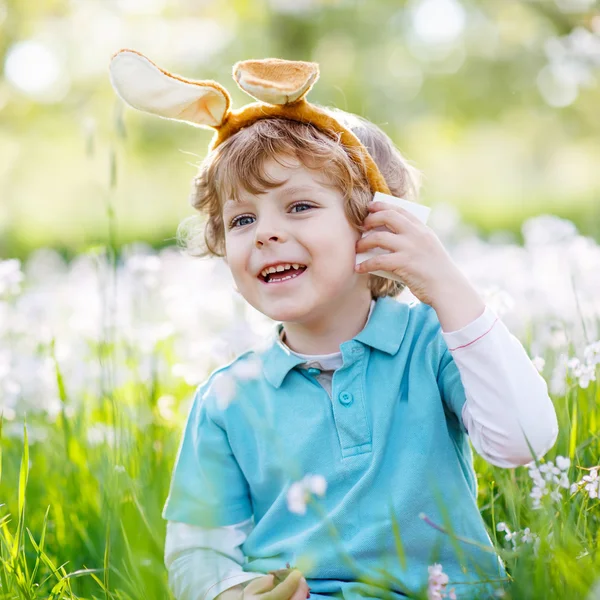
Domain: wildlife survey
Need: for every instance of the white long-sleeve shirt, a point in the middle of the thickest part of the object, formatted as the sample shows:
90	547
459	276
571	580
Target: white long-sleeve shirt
496	373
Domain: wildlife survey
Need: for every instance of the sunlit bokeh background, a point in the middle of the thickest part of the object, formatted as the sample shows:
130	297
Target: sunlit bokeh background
496	102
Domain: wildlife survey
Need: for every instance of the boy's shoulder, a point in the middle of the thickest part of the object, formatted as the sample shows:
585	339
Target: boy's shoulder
419	313
223	380
422	323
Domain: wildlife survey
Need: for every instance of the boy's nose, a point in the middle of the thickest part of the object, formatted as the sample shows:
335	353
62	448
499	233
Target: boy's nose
268	236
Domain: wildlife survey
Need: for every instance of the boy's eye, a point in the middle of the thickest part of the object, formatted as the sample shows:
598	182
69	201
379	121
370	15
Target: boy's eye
301	204
239	221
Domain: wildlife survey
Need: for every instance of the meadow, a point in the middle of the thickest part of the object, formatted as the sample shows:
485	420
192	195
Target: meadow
106	327
100	355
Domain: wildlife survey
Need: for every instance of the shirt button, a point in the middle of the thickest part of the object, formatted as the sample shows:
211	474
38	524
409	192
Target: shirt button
314	372
346	398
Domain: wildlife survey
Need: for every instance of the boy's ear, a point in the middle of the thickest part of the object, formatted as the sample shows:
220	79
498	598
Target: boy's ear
146	87
276	81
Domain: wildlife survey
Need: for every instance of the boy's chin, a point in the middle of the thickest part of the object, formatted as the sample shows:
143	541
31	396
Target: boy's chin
284	311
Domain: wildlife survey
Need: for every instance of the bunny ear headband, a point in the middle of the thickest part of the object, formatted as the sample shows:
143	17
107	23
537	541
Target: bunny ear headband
280	86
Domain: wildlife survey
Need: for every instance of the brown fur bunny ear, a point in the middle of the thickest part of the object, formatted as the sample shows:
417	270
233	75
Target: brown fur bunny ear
143	85
276	81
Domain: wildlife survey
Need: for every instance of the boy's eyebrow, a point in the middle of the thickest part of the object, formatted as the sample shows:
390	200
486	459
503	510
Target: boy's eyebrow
292	189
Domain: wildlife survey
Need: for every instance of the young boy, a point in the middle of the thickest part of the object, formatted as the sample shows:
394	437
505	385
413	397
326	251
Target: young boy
367	401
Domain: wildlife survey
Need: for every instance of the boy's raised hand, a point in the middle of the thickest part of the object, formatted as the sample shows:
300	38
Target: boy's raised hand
293	587
416	255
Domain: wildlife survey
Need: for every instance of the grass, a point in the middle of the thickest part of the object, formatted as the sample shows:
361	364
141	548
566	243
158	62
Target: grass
81	517
82	494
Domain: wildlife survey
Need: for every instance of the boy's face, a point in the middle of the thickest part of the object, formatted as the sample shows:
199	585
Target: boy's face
301	223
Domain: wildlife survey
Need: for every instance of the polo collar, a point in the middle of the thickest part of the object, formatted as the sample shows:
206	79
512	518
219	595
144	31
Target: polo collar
384	331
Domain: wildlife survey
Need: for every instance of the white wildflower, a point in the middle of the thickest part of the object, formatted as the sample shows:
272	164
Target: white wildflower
299	492
99	433
225	384
516	538
225	387
548	480
165	405
584	372
558	384
592	483
526	535
591	354
538	363
317	484
588	483
248	368
11	276
437	582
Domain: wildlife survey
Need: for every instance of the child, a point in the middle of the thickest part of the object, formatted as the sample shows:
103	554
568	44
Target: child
367	401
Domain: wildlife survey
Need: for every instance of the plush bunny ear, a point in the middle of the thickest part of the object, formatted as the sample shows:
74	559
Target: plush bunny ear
276	81
143	85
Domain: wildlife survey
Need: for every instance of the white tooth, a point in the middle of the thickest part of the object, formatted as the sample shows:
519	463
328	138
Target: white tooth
272	270
295	266
280	268
264	272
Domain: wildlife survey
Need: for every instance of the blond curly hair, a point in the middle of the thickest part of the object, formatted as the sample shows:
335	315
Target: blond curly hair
238	163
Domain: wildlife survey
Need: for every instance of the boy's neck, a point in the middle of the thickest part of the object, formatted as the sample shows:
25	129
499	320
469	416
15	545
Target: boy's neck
326	333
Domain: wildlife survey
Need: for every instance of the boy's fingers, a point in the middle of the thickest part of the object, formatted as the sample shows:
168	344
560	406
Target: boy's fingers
302	591
380	239
261	584
286	589
391	219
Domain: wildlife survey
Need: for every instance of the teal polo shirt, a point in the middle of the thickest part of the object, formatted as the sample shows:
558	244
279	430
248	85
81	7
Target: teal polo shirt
390	441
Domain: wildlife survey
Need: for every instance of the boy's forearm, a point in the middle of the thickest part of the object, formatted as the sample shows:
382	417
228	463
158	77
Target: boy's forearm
233	593
457	304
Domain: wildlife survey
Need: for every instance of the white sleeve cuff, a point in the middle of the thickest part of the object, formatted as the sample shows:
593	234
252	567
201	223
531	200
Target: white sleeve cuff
472	332
229	582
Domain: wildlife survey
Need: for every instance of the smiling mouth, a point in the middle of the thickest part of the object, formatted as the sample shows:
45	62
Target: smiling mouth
281	276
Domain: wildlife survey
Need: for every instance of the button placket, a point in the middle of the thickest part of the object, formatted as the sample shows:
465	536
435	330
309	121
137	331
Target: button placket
349	410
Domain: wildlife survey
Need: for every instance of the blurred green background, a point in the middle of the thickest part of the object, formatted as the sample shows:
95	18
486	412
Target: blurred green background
496	101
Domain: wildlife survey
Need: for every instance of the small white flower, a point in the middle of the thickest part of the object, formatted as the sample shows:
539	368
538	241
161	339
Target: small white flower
564	481
591	354
538	363
297	498
11	276
249	368
536	492
317	484
590	483
225	388
563	462
526	536
437	582
299	492
165	405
